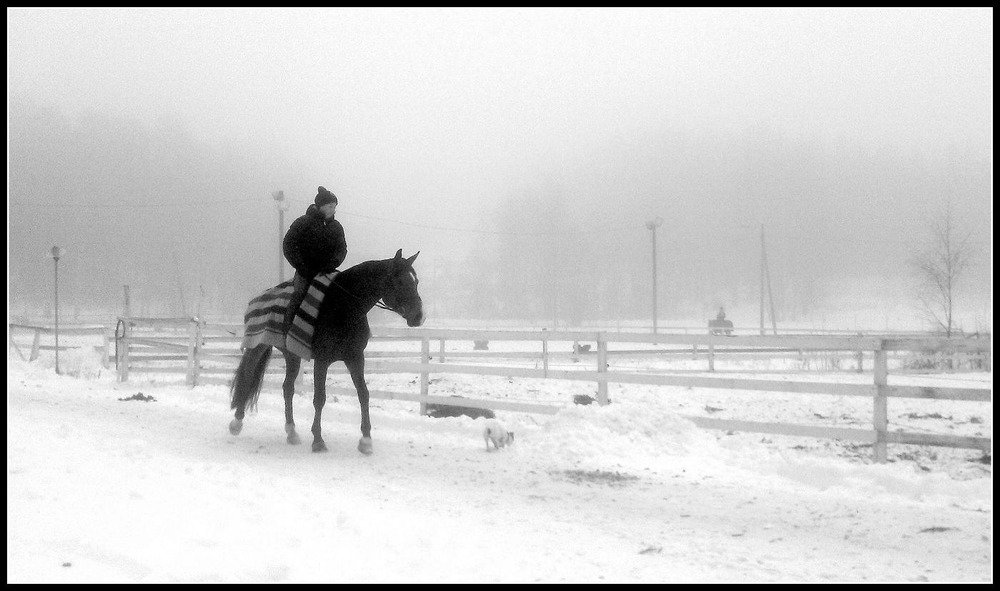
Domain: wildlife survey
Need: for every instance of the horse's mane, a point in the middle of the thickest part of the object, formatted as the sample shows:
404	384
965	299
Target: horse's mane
362	270
365	277
372	268
362	278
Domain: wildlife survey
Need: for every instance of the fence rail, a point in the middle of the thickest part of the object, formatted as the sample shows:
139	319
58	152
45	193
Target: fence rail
203	347
37	332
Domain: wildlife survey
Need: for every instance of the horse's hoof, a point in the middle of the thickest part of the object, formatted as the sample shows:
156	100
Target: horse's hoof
365	446
293	437
319	446
235	426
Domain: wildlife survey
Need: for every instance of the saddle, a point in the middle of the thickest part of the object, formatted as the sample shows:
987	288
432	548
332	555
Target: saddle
265	317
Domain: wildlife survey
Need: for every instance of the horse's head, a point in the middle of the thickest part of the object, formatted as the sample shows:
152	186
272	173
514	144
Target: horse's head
401	294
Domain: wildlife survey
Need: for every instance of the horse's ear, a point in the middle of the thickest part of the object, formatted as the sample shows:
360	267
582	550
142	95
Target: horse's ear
399	255
410	260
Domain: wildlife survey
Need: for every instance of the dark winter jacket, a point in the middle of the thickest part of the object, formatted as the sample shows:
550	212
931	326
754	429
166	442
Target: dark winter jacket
314	244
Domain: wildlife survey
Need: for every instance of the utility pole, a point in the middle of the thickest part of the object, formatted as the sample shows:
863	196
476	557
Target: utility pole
653	225
765	275
762	260
281	205
770	294
55	253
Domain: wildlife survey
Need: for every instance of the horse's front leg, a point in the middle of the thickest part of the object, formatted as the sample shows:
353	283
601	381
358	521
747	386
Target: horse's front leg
292	365
357	368
319	401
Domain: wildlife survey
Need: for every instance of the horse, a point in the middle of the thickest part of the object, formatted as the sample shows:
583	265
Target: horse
341	333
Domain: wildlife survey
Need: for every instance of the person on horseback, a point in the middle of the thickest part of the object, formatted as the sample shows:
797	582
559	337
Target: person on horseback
314	244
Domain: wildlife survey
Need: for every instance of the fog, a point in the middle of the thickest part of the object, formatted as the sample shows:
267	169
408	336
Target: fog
521	151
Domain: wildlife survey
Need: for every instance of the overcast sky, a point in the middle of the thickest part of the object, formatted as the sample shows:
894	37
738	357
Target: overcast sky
427	121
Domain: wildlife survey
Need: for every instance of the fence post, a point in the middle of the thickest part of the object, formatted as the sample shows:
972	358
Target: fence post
711	357
35	344
861	357
199	339
602	367
881	412
425	359
123	350
442	350
545	354
192	348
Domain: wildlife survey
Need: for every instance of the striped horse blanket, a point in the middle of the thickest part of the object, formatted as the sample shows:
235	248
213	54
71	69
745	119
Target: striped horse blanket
265	316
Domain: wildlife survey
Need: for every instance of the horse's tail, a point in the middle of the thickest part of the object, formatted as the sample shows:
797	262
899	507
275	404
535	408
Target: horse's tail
249	378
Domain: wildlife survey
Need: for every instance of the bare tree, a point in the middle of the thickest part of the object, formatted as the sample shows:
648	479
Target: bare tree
939	268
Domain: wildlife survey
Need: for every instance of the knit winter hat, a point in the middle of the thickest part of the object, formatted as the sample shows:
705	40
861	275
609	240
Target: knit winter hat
323	197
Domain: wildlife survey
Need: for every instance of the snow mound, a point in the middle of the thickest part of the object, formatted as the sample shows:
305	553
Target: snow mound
620	435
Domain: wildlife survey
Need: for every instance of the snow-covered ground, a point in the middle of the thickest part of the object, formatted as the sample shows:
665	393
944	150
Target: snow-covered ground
104	487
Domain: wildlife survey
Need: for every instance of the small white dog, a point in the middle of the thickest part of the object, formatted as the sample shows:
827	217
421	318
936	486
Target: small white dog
497	433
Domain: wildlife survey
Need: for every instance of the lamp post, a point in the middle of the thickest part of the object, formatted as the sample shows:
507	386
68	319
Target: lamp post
653	225
55	253
281	205
765	282
763	265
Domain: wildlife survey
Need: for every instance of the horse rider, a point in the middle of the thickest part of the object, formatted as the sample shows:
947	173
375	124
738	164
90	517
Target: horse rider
314	244
721	315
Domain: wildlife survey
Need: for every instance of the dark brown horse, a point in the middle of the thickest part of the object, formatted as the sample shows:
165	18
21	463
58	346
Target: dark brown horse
341	334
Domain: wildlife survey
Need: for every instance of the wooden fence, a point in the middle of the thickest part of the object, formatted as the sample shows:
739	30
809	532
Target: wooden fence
38	332
209	353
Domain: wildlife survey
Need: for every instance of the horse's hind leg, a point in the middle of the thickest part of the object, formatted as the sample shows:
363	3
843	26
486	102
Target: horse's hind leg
292	366
319	401
357	368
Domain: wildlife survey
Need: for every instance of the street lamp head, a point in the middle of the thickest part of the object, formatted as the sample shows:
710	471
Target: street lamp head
279	200
654	223
57	252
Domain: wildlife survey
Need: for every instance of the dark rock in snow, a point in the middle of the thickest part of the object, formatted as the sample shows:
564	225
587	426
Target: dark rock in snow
584	399
449	410
140	397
